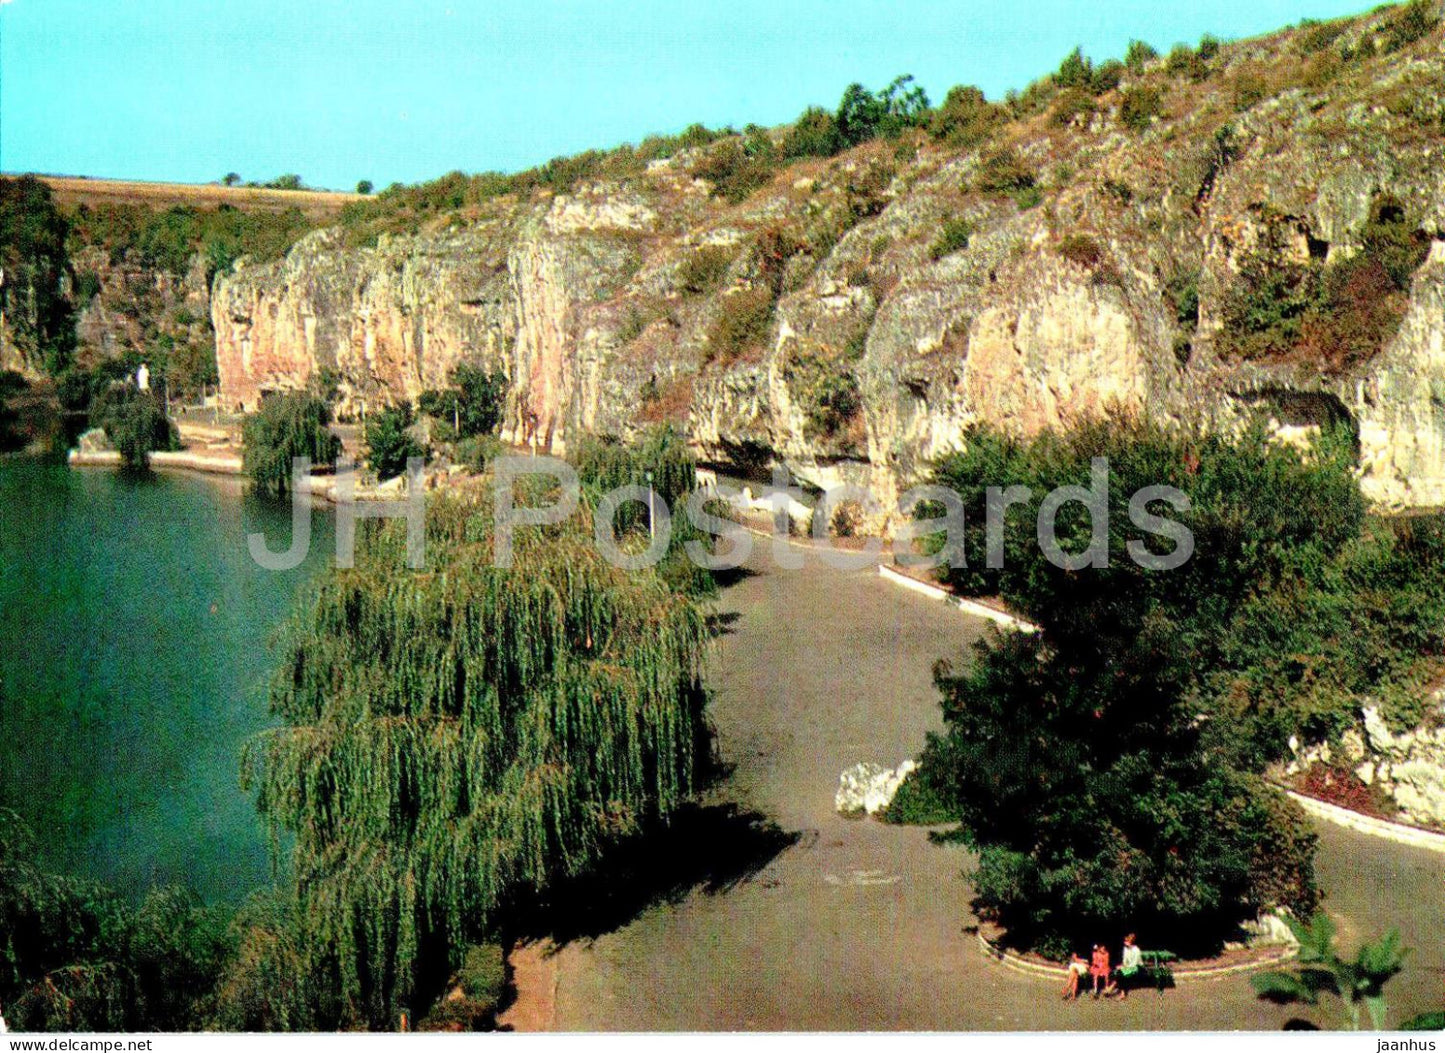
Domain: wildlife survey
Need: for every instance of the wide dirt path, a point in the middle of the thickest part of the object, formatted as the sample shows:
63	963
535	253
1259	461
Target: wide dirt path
851	925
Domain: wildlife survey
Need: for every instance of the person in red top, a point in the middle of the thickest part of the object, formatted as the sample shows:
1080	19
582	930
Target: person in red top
1099	968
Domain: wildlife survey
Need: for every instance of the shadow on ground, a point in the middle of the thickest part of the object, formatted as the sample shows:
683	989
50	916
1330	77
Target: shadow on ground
706	848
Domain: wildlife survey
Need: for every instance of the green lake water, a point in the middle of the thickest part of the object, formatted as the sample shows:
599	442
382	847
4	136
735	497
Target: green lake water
136	642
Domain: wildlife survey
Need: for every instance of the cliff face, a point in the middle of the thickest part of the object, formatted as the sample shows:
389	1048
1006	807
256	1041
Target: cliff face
822	322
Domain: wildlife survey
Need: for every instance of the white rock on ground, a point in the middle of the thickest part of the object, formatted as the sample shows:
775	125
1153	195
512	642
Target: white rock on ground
1270	930
867	788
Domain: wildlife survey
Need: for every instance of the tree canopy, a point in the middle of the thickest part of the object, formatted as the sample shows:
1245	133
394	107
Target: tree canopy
454	738
294	424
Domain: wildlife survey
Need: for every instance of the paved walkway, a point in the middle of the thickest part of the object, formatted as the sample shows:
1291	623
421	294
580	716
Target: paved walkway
849	925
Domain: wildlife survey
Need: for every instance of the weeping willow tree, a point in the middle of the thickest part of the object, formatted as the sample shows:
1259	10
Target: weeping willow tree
451	739
659	459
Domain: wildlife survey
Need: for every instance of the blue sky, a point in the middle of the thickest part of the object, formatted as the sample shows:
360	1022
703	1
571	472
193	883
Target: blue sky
409	89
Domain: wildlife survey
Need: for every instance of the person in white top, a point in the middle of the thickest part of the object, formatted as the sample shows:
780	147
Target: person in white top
1129	964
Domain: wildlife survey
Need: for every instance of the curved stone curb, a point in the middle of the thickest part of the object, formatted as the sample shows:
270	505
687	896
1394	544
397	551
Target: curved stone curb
978	610
1019	964
1368	824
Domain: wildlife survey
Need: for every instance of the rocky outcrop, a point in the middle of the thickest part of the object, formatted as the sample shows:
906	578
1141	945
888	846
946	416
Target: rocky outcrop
878	349
868	789
1410	767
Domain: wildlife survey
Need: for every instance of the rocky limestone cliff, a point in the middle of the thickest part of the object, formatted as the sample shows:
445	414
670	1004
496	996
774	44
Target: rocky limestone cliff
837	337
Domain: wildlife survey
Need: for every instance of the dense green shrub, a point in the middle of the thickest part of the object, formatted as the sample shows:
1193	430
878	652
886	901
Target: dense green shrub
952	237
1073	103
1293	606
294	424
966	118
1004	172
1414	22
474	402
864	115
737	167
135	422
1138	57
389	442
1139	106
814	134
1134	719
661	452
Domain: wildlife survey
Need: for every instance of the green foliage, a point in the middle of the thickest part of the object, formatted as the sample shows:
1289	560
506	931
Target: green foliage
1139	106
966	119
1333	315
1294	605
660	453
473	404
1357	983
295	424
1073	103
76	957
1425	1022
135	422
477	453
737	167
33	233
814	134
169	239
1075	71
863	115
1414	22
1138	57
451	741
953	237
919	803
827	389
389	443
289	181
365	186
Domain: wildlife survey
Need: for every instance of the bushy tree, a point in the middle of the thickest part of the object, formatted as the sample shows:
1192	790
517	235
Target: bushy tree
814	134
966	117
474	402
451	741
864	115
659	459
1103	767
290	425
135	422
389	443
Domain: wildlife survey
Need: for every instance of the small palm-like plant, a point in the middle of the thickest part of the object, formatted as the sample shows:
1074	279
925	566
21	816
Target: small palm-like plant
1321	971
